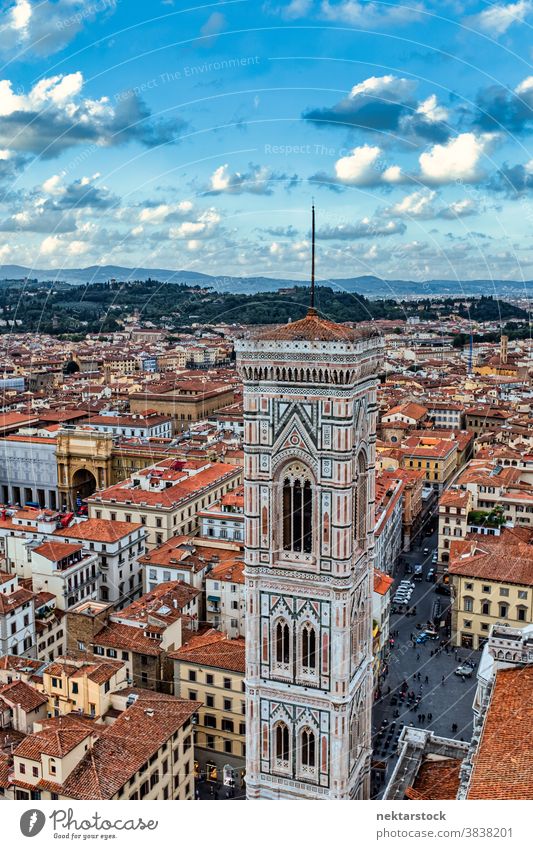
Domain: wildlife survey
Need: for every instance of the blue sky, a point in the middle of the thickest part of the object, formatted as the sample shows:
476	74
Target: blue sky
191	136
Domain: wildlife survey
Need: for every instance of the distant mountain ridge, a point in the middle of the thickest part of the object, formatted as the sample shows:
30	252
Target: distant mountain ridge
371	287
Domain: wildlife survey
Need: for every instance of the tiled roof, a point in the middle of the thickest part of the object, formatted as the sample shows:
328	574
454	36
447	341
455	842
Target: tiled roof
213	649
127	637
503	763
99	530
20	693
507	558
58	738
436	779
230	572
126	745
312	328
172	495
56	550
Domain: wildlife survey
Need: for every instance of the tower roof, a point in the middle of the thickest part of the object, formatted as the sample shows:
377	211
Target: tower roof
313	328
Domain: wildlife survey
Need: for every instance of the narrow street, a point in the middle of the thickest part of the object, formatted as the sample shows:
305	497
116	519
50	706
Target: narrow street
445	699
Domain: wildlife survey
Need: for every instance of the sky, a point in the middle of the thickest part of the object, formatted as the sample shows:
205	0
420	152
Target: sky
196	136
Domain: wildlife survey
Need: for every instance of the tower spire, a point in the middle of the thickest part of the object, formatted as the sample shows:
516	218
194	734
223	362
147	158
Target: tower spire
312	309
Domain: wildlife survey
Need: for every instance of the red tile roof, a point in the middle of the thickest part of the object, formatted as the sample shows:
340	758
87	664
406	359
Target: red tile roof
213	649
503	763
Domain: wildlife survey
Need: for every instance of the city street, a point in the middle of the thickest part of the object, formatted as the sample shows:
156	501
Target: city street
445	699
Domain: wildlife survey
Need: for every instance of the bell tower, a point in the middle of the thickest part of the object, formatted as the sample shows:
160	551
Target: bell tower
309	444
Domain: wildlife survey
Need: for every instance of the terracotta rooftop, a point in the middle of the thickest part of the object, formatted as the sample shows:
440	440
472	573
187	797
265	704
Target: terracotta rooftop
312	328
503	763
507	558
213	648
101	530
55	551
126	745
436	779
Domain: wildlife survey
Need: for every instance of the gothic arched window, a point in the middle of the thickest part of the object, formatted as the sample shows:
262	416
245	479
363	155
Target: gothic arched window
282	742
361	502
308	748
282	637
309	663
297	505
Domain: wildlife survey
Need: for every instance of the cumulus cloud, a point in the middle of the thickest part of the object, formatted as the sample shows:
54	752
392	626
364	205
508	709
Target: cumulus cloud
363	166
457	159
501	108
422	205
40	27
387	104
54	115
204	225
159	213
513	180
55	207
377	103
257	180
497	19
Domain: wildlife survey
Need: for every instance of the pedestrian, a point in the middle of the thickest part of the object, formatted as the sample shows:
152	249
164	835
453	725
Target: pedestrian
426	679
446	648
454	727
420	717
442	680
423	717
430	717
418	673
418	658
431	653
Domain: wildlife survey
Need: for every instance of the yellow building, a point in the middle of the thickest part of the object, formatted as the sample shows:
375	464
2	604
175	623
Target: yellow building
82	686
210	668
492	582
435	456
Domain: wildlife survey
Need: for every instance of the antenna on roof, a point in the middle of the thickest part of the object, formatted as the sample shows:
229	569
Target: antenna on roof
312	303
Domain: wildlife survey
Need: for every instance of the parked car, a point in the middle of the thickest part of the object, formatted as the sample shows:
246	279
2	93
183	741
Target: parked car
430	575
435	557
464	671
422	638
419	568
426	550
443	589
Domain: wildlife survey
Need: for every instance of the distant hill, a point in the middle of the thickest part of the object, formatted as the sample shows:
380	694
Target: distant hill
371	287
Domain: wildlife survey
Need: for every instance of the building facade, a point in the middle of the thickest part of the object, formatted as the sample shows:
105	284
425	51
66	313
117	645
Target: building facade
309	442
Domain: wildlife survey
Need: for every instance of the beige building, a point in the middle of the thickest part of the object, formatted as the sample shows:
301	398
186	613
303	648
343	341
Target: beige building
166	497
492	582
454	507
210	668
146	753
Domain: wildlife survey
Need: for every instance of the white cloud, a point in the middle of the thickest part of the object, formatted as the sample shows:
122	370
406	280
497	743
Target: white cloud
160	213
388	87
370	14
457	159
204	226
431	111
497	19
291	11
257	180
53	115
362	168
42	27
416	205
